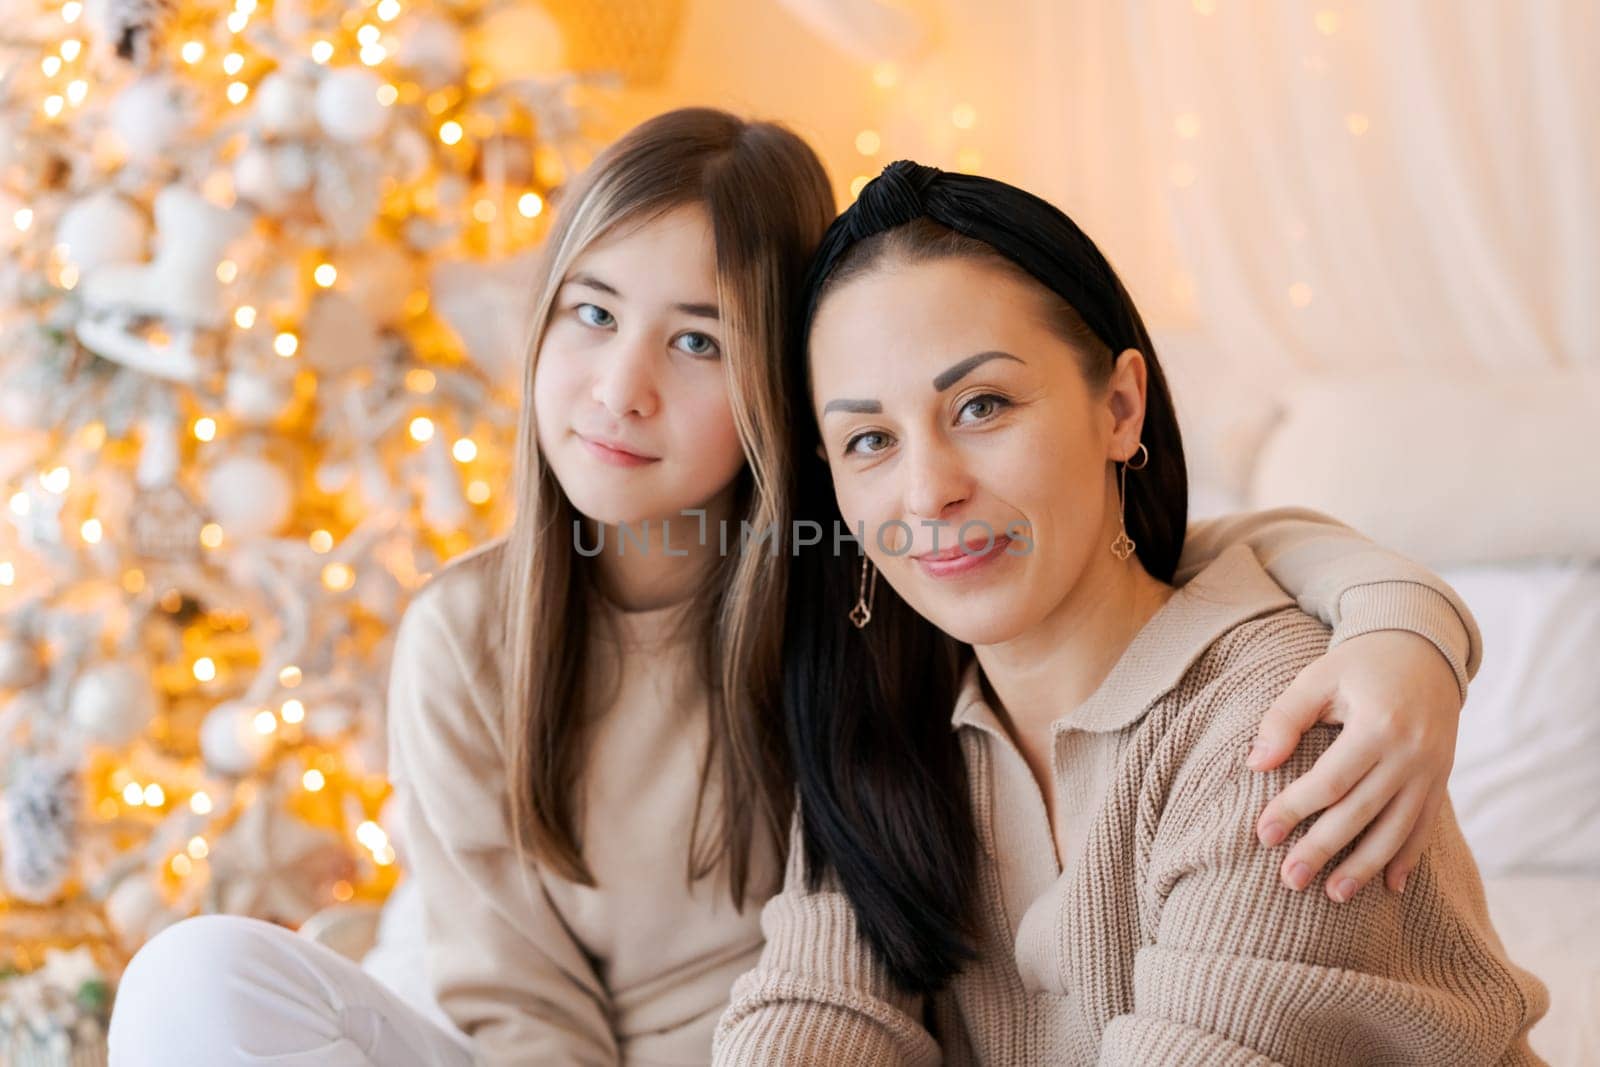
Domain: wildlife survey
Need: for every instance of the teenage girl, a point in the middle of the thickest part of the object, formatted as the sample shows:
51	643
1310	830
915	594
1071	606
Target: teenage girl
586	735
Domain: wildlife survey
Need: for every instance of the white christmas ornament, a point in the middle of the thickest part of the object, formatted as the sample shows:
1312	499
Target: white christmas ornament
38	828
249	496
518	41
151	117
433	47
102	228
20	665
481	302
256	398
113	703
348	107
285	105
158	450
255	178
229	741
136	912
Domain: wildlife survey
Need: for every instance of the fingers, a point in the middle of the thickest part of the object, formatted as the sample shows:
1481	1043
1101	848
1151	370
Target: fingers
1339	825
1405	861
1295	711
1382	841
1335	774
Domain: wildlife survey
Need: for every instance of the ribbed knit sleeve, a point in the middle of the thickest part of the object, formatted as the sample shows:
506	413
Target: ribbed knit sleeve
1235	968
1344	579
818	997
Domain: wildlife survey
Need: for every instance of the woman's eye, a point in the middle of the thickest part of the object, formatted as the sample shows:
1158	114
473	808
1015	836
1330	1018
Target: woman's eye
982	407
696	344
595	315
868	443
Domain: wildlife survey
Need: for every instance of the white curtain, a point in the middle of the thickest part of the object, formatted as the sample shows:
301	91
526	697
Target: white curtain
1313	185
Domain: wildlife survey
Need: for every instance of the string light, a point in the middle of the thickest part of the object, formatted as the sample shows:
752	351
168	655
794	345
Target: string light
325	275
245	316
484	210
21	504
421	429
68	276
266	722
450	132
322	51
420	380
70	48
182	866
205	669
76	91
227	271
8	573
293	711
237	91
964	116
200	803
478	491
154	796
368	35
885	76
465	450
238	21
232	63
338	577
193	52
211	535
388	10
133	580
56	481
285	344
289	677
51	65
387	94
321	542
530	205
858	183
90	531
132	795
373	54
313	780
868	142
22	219
53	104
198	847
70	11
205	428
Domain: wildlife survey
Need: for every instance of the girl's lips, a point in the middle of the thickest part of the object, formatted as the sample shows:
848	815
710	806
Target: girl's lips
964	561
614	454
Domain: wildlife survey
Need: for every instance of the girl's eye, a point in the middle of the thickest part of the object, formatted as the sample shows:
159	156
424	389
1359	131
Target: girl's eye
982	407
867	444
696	344
595	315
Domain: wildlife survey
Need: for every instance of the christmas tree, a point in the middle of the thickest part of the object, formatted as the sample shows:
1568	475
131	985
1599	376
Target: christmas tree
262	305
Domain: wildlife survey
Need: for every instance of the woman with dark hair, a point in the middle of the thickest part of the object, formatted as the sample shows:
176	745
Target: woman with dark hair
1028	824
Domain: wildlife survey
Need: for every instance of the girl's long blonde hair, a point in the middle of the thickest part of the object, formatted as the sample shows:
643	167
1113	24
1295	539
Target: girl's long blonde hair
769	201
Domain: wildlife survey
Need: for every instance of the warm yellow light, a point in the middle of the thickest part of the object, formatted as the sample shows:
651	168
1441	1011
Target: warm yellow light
1357	123
23	218
211	535
478	491
868	142
76	91
68	276
227	271
193	52
371	835
198	847
417	302
56	481
387	94
343	890
285	344
964	116
321	541
293	711
421	429
325	274
884	75
53	104
1328	23
200	803
154	796
266	722
322	51
858	183
51	65
438	102
205	428
8	573
133	580
383	856
70	49
237	91
20	504
420	380
290	676
530	205
314	781
238	21
1205	7
90	531
1187	125
245	7
132	795
373	54
337	577
245	317
483	210
368	35
70	11
388	10
465	450
232	63
205	669
450	132
969	160
182	865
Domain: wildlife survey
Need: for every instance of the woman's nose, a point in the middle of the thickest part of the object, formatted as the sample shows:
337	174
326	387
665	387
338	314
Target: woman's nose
624	382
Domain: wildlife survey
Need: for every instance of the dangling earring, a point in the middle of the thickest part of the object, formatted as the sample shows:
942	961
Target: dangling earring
861	614
1123	546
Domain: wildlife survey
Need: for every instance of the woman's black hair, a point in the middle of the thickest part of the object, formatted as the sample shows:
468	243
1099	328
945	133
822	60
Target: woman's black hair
882	782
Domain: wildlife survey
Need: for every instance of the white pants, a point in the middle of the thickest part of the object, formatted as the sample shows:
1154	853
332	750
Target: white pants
222	989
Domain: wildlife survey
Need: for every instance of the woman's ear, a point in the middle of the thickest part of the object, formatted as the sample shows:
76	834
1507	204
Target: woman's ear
1125	393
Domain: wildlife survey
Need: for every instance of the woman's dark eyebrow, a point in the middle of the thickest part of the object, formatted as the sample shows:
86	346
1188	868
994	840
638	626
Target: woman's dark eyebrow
703	311
592	282
859	407
953	374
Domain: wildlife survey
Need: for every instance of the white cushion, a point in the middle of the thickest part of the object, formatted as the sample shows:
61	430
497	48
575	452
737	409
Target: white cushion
1466	468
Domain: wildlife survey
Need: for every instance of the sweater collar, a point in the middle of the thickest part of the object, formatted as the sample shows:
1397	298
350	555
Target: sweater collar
1232	589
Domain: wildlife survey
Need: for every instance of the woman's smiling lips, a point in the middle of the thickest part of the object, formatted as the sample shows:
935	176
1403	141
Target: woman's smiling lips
614	452
962	560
